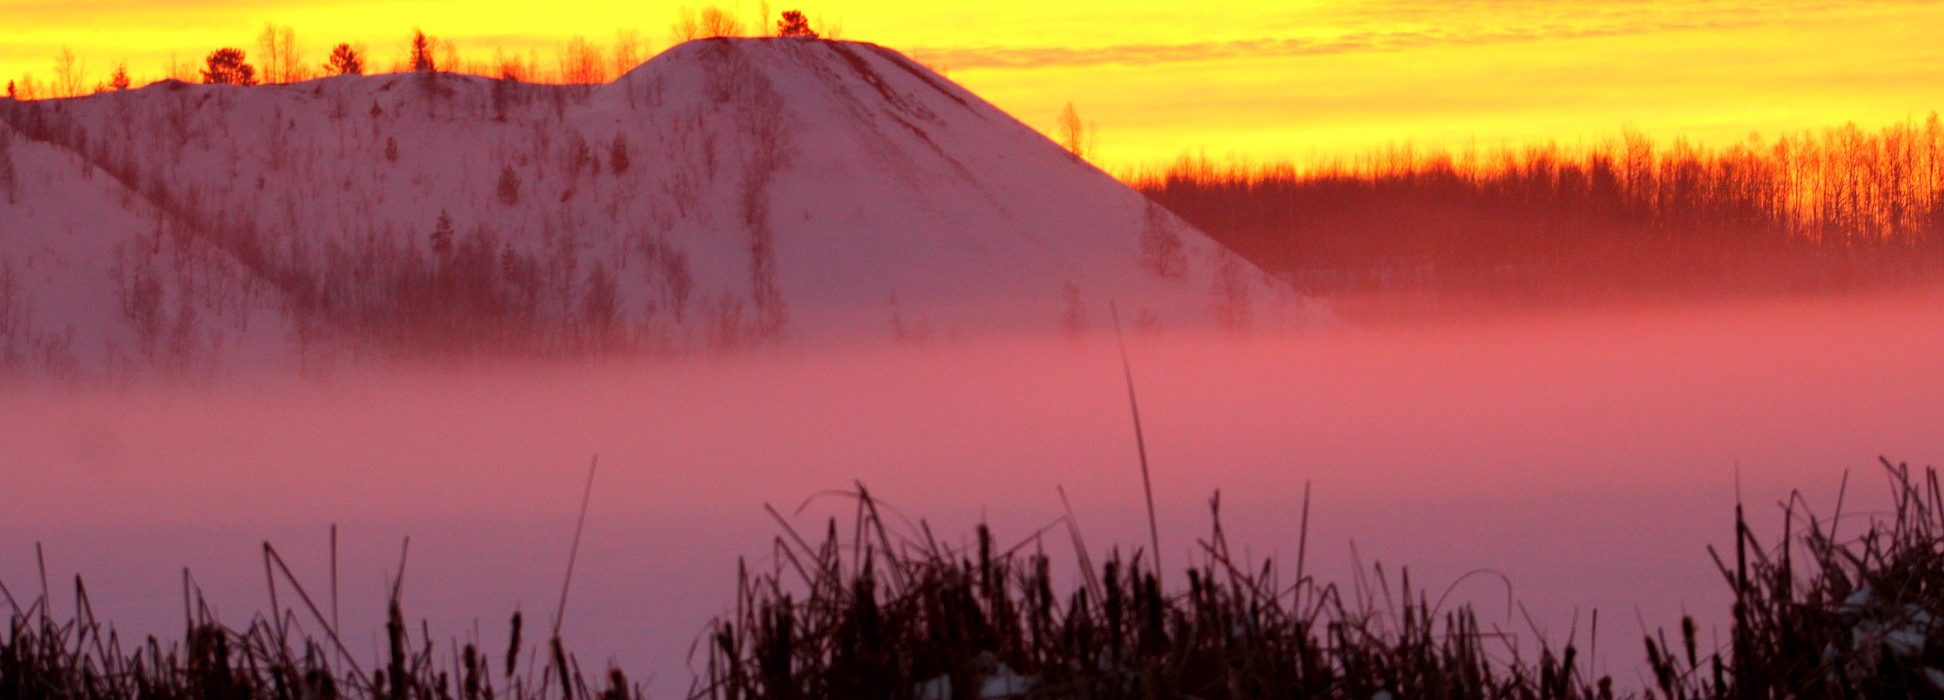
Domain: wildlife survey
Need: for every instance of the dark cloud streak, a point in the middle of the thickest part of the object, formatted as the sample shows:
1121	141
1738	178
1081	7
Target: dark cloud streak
1144	54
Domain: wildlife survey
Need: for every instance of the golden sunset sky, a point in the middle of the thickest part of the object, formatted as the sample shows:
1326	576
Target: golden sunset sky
1263	79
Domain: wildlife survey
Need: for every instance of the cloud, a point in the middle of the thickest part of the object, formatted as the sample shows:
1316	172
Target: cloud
1608	24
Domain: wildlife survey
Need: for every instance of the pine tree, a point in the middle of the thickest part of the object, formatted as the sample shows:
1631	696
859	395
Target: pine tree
120	80
227	67
422	53
794	24
345	61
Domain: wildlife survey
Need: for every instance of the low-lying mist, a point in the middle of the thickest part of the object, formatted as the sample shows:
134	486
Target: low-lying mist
1588	458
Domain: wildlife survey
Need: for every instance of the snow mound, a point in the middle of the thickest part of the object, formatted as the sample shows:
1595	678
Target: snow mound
727	193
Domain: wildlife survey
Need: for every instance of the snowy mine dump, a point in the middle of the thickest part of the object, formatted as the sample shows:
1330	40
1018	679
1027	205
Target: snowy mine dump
729	193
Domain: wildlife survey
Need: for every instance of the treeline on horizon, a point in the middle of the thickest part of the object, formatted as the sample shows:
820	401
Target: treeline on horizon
1837	209
278	58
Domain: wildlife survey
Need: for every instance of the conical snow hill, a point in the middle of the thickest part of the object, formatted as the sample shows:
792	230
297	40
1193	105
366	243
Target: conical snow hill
727	193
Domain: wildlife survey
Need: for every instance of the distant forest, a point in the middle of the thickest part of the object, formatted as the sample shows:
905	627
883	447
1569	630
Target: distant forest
1842	209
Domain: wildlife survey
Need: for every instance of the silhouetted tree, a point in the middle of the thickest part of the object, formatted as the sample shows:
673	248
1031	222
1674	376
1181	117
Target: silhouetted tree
422	60
280	61
442	235
68	73
581	63
711	22
345	61
119	81
580	156
627	51
794	24
717	22
1162	251
9	184
509	186
686	26
13	91
618	154
1842	208
227	67
503	93
1076	136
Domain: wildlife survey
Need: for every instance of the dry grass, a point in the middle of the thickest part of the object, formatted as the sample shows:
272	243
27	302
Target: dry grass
868	614
1831	609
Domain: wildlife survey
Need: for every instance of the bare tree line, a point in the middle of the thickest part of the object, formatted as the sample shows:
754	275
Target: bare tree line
1626	213
278	57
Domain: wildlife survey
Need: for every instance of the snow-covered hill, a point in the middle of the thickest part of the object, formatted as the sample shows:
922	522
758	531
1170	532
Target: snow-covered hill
727	193
91	282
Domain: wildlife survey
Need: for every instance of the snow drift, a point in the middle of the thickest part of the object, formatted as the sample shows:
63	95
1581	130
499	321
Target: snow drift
728	193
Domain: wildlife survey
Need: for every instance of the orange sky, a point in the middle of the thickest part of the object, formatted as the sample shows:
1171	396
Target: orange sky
1268	79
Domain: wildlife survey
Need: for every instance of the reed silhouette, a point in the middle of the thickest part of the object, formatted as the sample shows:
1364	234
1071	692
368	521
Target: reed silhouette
884	608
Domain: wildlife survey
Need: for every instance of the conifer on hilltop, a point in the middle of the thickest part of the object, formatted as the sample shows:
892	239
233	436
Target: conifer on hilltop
227	66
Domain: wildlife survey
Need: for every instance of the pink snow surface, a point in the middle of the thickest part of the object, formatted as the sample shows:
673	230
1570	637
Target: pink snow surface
834	191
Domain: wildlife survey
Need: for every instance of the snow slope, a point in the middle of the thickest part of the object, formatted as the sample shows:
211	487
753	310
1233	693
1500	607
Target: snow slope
87	286
729	192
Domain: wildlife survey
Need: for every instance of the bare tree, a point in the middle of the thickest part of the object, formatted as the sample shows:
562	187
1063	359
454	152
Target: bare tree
67	73
687	26
581	63
16	311
1075	135
442	235
1231	294
717	22
448	54
280	59
618	154
627	51
511	67
1162	250
509	186
179	70
9	183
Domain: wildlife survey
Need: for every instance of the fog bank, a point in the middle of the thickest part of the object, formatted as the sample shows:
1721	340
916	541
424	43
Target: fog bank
1588	458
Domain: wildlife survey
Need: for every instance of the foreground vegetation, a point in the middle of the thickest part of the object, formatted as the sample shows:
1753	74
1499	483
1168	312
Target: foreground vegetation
1829	610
